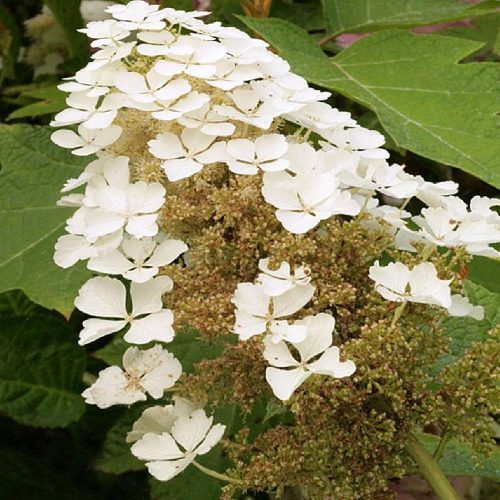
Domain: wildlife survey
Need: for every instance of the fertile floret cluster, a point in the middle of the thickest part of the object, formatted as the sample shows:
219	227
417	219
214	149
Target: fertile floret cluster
213	160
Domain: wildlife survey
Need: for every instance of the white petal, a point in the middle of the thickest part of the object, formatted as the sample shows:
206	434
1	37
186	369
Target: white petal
102	296
278	354
319	335
156	447
166	470
330	364
147	297
156	326
189	431
293	300
95	328
285	382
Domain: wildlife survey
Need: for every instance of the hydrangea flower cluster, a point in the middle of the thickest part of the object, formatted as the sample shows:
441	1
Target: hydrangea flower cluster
212	95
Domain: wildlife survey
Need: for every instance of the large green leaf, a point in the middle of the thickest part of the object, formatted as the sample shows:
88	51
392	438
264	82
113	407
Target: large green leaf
349	16
427	101
41	371
33	171
485	272
460	460
484	29
463	332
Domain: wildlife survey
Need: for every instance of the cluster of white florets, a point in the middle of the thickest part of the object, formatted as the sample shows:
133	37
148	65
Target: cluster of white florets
221	97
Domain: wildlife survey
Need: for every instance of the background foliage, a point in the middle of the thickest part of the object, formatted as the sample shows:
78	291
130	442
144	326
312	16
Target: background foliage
434	96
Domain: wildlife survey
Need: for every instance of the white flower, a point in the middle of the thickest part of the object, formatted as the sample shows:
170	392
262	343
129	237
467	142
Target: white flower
276	282
151	87
246	157
453	226
305	200
186	158
94	168
137	14
396	282
111	203
159	419
105	33
87	141
191	56
249	108
138	259
359	139
178	107
84	109
156	43
107	298
255	310
151	371
282	330
94	83
460	307
320	117
71	248
170	452
207	121
317	355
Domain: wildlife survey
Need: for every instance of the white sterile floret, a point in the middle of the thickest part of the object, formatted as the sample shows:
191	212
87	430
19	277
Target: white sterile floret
159	419
207	121
94	83
460	307
185	156
367	143
320	117
138	14
317	356
278	281
255	310
89	111
105	33
191	56
71	248
138	260
304	200
112	203
169	453
151	371
86	141
453	226
150	87
107	298
95	168
246	157
249	108
396	282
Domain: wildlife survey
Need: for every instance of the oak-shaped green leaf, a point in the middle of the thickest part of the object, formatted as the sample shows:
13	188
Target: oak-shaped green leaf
349	16
41	370
426	100
458	459
33	171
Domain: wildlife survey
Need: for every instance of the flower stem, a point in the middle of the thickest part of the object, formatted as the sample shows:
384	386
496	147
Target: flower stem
216	475
397	313
431	471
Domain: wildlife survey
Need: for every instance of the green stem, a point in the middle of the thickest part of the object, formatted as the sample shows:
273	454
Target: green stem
397	313
431	471
216	475
438	453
